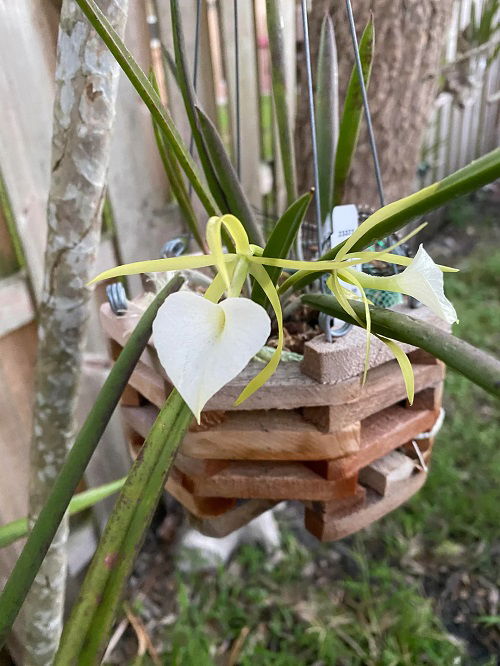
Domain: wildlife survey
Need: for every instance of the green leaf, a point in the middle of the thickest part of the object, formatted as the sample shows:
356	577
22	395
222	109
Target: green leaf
275	27
48	521
149	96
18	529
281	241
87	631
385	221
189	96
237	201
178	186
352	114
327	114
476	365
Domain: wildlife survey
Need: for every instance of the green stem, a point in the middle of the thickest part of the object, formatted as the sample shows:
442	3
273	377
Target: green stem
86	632
17	529
72	471
395	215
475	364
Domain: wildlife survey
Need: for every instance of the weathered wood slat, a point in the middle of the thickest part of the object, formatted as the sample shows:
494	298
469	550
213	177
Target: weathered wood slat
380	433
333	528
233	519
383	474
269	480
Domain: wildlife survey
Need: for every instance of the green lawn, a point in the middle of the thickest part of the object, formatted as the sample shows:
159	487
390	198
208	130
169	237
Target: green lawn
381	598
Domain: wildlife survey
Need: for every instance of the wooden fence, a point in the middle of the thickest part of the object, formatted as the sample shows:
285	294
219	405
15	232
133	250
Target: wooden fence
144	214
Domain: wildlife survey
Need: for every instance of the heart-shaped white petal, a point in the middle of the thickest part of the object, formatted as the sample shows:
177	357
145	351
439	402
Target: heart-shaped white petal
203	345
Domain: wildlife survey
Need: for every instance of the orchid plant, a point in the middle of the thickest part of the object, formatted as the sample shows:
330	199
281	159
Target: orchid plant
203	343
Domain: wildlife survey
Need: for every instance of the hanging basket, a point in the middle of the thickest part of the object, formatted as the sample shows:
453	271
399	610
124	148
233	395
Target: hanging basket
312	433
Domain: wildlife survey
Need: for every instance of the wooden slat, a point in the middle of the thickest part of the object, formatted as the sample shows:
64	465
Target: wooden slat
333	528
271	435
270	480
383	474
380	434
237	517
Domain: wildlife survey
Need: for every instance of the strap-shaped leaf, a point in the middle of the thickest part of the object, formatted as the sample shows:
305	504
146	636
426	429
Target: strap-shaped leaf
352	114
327	113
188	93
281	241
278	71
149	96
237	201
178	185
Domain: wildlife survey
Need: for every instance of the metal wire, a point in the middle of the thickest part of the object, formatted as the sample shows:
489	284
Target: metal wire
366	106
310	95
237	82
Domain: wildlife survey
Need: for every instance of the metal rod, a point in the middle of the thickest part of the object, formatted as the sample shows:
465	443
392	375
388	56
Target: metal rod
307	49
237	81
371	134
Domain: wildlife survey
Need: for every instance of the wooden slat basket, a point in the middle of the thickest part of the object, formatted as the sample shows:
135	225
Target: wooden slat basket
312	433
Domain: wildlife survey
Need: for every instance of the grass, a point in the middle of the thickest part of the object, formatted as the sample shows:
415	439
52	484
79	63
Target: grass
381	597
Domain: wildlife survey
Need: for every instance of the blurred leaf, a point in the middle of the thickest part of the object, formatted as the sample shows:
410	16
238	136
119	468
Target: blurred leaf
327	114
352	114
18	529
278	67
281	240
237	201
189	96
149	96
176	180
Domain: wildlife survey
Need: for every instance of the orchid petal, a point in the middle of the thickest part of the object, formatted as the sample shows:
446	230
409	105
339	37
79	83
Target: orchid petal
422	279
338	291
293	264
260	274
368	322
404	364
203	345
160	266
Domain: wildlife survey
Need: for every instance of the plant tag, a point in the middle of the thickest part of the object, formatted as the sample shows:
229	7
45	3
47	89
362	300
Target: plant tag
344	223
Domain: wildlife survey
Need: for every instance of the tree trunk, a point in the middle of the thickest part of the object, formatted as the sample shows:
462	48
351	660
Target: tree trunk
86	87
409	40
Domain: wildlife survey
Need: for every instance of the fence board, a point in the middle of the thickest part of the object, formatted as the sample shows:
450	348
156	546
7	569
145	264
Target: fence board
26	80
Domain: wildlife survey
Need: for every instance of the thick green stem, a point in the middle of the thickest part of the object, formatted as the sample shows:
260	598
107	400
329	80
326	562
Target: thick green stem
165	446
72	471
475	364
390	218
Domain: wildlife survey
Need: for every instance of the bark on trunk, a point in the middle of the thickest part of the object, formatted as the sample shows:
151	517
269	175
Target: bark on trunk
86	87
409	38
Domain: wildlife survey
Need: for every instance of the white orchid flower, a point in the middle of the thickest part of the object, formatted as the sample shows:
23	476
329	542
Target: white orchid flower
422	279
204	344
